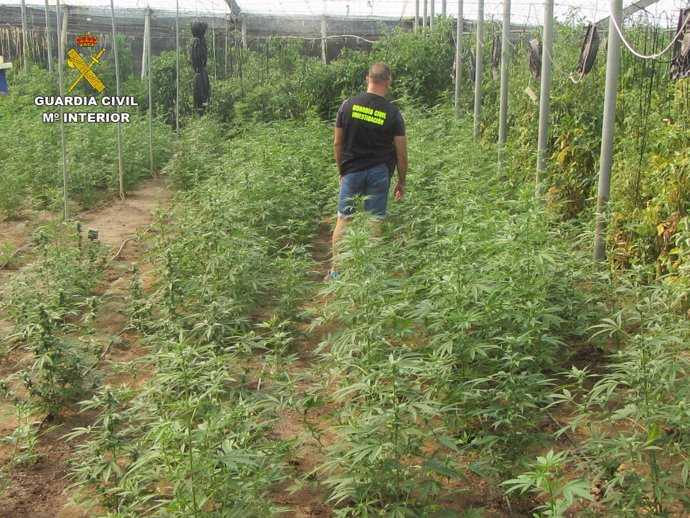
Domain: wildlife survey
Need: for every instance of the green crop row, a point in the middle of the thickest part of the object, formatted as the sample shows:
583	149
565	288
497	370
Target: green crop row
31	155
196	440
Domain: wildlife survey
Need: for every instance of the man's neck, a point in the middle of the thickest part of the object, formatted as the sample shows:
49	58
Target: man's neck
374	87
377	89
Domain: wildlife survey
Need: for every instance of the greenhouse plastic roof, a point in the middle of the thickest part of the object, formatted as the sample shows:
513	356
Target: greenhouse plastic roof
665	12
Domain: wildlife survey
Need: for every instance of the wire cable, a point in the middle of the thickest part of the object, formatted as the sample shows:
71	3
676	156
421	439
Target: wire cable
639	54
569	75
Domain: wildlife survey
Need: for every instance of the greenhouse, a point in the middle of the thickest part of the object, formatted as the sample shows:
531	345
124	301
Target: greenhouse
359	258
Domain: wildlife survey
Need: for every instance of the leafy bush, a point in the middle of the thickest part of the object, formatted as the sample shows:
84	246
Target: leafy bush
422	62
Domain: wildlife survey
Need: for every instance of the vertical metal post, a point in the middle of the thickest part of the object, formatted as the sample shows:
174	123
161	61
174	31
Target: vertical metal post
443	8
120	168
433	14
25	41
424	18
544	96
607	136
144	52
324	34
458	59
503	102
416	15
61	90
213	49
177	68
49	40
244	31
148	72
63	34
478	70
225	68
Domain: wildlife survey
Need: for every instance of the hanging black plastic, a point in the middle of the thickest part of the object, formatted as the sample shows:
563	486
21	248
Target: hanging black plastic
680	63
588	50
199	56
534	57
496	55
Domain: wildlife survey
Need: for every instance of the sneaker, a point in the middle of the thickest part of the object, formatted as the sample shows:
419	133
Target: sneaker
330	276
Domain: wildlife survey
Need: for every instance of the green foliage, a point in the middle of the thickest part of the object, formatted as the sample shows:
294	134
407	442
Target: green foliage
636	411
546	480
196	440
285	86
453	324
185	446
45	302
509	296
163	77
139	308
222	102
385	402
105	71
24	439
55	376
422	62
62	279
32	158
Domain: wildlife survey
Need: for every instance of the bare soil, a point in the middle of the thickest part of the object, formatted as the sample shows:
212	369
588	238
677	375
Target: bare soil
41	490
308	498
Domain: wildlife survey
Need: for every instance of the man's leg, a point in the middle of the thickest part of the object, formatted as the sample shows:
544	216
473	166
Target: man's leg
350	186
376	192
337	235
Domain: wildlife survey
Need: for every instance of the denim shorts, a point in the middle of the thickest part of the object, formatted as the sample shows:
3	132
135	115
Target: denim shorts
372	183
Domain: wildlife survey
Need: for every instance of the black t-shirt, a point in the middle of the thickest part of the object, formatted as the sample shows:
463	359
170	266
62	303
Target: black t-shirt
369	124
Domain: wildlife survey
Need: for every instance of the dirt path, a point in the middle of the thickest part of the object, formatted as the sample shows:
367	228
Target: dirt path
307	501
41	490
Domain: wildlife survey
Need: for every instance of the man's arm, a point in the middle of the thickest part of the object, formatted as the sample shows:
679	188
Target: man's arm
338	147
401	156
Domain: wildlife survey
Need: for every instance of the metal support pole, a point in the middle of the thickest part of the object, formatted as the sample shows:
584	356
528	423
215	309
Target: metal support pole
227	29
213	49
478	70
61	90
443	8
144	52
425	19
177	68
503	102
416	15
544	96
148	72
433	14
458	59
324	35
63	34
120	168
607	136
244	32
49	41
25	41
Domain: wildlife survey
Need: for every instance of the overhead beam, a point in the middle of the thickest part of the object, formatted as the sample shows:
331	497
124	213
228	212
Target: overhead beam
628	11
235	9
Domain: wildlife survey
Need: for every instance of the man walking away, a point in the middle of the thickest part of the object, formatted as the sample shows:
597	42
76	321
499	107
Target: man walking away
369	141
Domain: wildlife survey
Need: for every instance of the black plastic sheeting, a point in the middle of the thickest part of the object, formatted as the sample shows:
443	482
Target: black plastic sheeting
680	63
